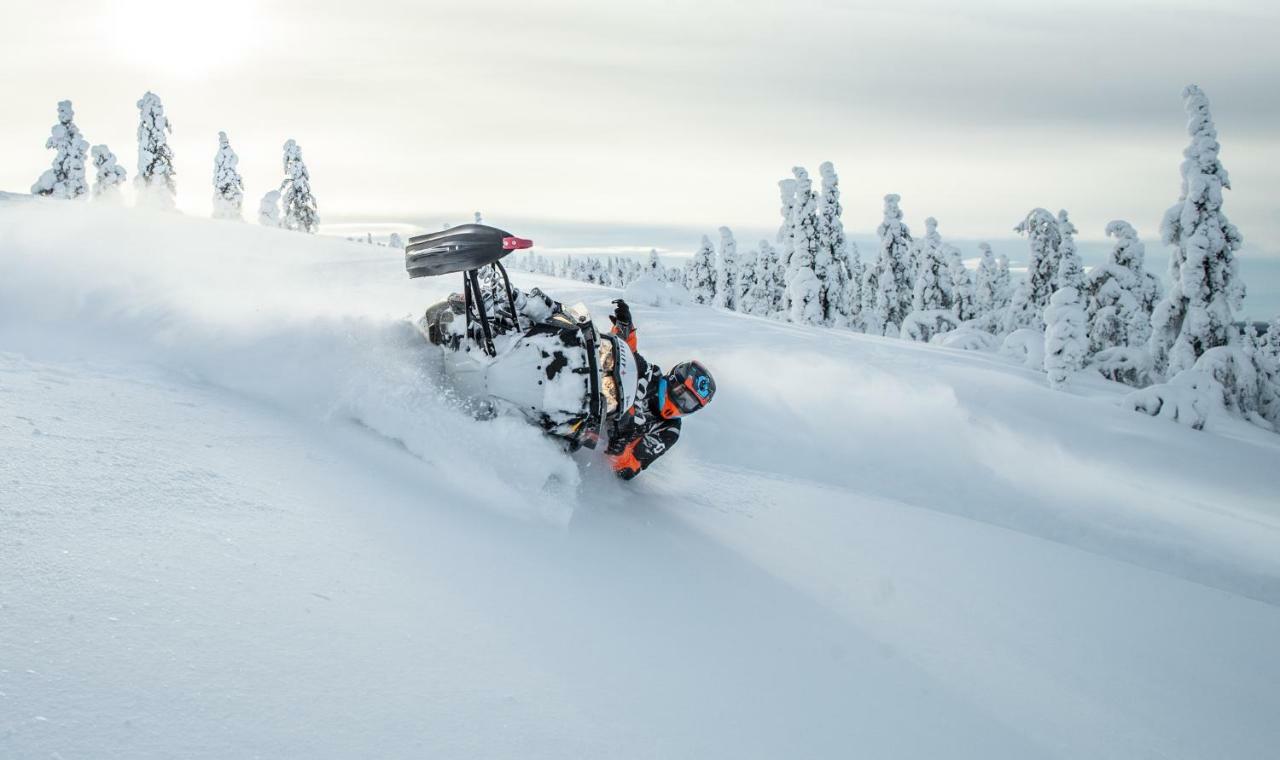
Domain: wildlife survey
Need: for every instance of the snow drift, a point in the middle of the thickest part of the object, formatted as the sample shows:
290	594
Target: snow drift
238	518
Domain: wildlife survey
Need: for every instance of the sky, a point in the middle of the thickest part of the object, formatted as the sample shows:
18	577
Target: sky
649	115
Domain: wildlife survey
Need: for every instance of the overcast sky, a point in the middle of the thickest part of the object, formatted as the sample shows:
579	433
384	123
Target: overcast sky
668	113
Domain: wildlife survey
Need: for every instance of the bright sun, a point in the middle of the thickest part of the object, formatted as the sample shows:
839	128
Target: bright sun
187	38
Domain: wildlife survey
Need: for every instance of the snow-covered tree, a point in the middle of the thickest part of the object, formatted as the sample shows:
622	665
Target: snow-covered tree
985	283
479	219
1196	314
700	277
1121	294
962	295
1004	282
110	177
786	239
932	290
854	298
1070	272
228	187
746	284
832	264
155	177
1065	343
888	280
727	271
804	289
395	241
654	265
295	193
764	294
1043	237
269	209
922	248
65	179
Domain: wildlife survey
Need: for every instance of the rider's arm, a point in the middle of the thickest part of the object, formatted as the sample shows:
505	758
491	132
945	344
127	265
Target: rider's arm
645	448
622	325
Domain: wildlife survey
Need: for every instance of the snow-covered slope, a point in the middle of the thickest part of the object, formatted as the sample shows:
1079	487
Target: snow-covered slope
238	519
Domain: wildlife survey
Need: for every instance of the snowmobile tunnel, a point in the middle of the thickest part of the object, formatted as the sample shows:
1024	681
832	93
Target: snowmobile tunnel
459	249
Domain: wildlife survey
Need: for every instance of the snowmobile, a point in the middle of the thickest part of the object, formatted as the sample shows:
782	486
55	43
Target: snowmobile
510	352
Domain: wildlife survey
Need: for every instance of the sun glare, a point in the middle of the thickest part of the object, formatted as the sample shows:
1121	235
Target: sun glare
186	39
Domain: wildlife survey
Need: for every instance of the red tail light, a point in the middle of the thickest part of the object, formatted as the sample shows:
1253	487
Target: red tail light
515	243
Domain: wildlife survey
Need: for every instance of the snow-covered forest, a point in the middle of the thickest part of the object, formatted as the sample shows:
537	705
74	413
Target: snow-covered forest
1185	352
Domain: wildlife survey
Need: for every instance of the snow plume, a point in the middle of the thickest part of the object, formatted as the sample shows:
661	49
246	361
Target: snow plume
1121	294
1043	238
804	289
833	266
111	176
292	336
700	277
155	178
726	296
65	179
299	205
228	187
1065	343
269	209
1197	313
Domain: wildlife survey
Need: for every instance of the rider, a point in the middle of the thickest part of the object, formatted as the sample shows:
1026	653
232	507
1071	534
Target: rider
652	426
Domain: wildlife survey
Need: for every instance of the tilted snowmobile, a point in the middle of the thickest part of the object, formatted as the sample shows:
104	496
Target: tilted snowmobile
520	353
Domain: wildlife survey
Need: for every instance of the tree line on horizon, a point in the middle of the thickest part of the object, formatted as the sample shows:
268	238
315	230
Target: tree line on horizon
292	206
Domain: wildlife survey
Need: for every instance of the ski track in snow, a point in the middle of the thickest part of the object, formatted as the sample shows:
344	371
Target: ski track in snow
238	518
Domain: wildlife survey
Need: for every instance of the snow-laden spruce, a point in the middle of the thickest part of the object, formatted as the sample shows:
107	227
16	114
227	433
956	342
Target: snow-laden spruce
840	294
962	296
395	241
1032	295
804	289
228	187
700	276
787	243
110	175
1065	343
1205	288
762	296
933	278
155	177
986	283
298	204
888	283
66	178
854	297
1070	272
746	283
727	271
1121	294
269	209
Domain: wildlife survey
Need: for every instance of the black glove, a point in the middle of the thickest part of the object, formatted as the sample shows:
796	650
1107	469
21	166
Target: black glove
621	312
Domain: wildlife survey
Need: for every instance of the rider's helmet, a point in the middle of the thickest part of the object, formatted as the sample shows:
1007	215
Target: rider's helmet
685	389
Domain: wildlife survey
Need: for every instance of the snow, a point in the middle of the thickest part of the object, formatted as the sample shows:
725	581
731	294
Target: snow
239	519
